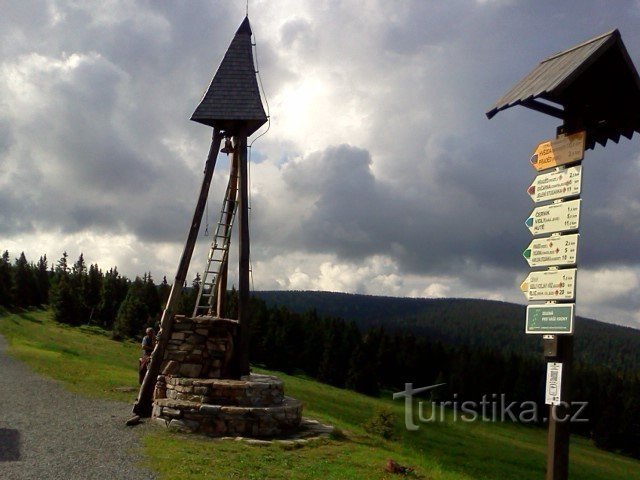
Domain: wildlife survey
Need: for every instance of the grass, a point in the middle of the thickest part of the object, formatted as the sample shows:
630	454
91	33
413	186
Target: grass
85	358
88	362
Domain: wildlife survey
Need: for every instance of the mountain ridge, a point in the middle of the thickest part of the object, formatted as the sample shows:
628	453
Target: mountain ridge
491	324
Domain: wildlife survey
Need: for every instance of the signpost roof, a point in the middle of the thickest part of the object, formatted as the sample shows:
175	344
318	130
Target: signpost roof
232	100
594	83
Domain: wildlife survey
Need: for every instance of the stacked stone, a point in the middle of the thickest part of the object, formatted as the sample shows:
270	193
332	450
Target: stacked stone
249	391
200	347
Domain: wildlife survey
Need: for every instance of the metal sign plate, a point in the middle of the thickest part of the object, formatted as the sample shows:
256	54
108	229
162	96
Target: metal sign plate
550	285
557	217
550	319
564	182
555	251
560	151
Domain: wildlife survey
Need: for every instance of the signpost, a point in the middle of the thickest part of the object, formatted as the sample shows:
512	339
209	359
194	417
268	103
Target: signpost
590	87
550	319
561	183
557	217
552	251
550	285
560	151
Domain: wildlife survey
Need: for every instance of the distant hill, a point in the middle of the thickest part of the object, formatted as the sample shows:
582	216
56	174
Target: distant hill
478	323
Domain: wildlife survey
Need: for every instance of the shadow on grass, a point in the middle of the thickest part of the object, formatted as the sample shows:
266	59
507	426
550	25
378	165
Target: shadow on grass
28	316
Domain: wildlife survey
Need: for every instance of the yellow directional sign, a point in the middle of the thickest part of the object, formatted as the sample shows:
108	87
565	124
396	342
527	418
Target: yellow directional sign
564	149
550	285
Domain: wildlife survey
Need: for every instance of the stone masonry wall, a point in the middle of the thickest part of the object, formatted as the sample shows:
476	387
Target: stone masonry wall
200	347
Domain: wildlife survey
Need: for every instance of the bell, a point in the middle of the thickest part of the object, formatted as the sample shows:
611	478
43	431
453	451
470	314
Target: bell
228	148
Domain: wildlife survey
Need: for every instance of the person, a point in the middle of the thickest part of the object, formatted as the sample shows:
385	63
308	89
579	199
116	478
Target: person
148	344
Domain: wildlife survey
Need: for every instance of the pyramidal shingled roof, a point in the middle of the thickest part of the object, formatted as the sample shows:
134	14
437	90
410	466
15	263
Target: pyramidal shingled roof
233	99
595	82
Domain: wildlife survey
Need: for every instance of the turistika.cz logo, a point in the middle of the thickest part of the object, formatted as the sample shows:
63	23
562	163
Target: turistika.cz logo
493	407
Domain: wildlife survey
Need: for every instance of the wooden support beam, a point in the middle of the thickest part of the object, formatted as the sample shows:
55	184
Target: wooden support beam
544	108
144	403
243	279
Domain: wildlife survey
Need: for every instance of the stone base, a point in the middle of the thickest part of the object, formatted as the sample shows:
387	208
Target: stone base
254	406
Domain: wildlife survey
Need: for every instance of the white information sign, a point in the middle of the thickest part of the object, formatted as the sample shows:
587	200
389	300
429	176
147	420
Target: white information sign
564	182
554	383
550	285
557	217
552	251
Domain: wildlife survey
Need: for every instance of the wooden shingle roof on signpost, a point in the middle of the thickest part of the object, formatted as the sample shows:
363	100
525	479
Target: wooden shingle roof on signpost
233	99
595	82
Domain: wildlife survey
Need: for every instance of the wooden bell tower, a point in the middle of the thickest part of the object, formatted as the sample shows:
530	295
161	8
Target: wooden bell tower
233	108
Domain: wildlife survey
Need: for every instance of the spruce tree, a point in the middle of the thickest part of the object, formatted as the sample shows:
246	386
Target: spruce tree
163	291
42	280
114	289
24	285
93	288
133	314
64	300
152	297
6	280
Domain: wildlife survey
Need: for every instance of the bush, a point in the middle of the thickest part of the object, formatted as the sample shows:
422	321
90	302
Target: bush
381	423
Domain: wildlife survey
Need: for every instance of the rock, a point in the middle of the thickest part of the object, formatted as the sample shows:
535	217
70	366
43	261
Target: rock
209	409
184	426
171	368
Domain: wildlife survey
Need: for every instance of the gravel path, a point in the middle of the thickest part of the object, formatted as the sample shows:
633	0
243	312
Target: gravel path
47	432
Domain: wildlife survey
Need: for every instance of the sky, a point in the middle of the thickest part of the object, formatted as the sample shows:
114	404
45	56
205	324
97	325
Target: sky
380	173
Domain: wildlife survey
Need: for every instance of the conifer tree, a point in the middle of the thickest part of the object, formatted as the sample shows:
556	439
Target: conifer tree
64	303
133	314
93	287
43	280
151	297
63	296
163	291
24	286
114	289
6	280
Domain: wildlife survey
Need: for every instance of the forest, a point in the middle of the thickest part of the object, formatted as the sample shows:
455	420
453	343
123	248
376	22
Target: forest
446	341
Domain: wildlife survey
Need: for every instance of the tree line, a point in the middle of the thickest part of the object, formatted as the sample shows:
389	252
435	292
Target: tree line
334	351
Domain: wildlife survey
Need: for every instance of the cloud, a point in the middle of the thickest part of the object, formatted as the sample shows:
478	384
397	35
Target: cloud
380	173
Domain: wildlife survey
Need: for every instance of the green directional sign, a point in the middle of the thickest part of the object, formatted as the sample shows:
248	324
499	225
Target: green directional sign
550	319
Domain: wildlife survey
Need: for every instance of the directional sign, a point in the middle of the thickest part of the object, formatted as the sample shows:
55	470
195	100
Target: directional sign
550	319
557	217
564	149
550	285
554	384
562	183
555	251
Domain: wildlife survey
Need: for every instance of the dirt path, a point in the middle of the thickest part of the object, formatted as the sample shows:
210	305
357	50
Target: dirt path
47	432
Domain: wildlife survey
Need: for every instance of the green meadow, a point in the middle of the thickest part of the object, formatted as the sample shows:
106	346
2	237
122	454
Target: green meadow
88	362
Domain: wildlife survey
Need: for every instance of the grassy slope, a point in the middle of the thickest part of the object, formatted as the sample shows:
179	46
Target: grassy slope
88	362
